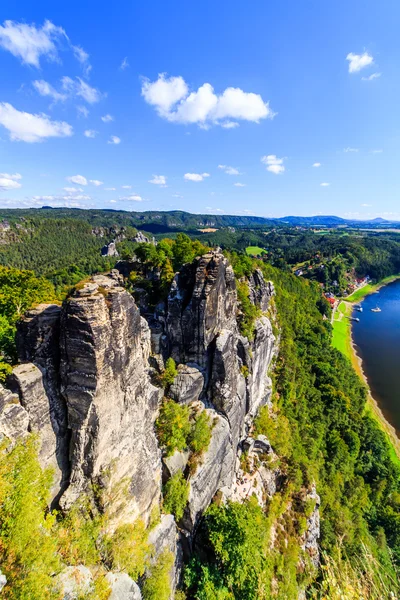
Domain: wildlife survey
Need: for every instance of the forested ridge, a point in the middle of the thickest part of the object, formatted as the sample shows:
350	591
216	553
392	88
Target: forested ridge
319	429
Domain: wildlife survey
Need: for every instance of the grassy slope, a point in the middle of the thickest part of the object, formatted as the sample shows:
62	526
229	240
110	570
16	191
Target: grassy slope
341	338
342	341
254	250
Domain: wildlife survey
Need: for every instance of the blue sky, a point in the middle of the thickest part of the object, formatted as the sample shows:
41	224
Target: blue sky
218	107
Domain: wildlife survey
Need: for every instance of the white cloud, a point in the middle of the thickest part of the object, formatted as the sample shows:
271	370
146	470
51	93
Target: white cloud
126	187
164	93
325	184
107	118
96	182
15	176
26	127
124	65
83	58
195	176
378	151
71	89
112	201
78	179
214	209
133	198
10	181
172	101
359	61
366	205
273	163
46	89
239	184
371	77
114	140
72	190
80	89
177	196
229	170
348	149
82	111
229	124
29	43
159	180
58	199
110	189
317	164
90	133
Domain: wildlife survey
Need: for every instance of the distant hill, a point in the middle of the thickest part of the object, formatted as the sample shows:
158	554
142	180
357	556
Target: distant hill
176	220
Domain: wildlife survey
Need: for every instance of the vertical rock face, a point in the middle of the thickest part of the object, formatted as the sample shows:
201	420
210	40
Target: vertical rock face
164	537
37	381
214	472
202	330
202	301
227	389
112	406
83	385
14	420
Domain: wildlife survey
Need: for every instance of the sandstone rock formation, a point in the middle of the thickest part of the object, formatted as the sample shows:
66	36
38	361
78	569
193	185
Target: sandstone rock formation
14	420
165	537
109	249
201	303
123	587
85	384
105	345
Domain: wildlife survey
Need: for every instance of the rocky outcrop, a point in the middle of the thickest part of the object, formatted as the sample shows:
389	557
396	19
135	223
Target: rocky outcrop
262	350
165	537
14	420
123	587
258	473
313	532
201	303
188	384
105	346
227	389
214	472
75	582
261	291
218	365
3	580
37	381
27	381
85	384
109	249
175	463
140	238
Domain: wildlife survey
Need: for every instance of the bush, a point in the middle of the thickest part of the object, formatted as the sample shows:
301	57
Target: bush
169	373
28	548
200	435
158	583
276	429
78	533
176	494
128	549
173	426
249	312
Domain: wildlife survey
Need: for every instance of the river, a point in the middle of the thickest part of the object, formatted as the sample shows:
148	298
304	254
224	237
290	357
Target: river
377	340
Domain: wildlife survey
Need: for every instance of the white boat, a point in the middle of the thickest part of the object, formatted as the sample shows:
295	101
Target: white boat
377	309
